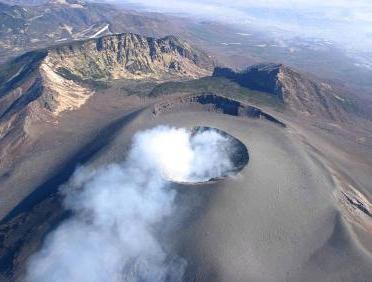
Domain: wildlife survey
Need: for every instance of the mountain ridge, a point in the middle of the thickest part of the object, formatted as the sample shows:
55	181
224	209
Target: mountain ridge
300	93
42	84
26	28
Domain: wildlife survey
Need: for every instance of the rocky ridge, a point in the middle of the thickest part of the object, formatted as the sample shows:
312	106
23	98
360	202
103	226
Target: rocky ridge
42	84
300	93
31	25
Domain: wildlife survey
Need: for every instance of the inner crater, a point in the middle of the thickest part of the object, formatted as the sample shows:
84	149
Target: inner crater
214	155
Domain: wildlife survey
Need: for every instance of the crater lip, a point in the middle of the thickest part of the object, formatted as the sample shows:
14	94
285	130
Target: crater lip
238	155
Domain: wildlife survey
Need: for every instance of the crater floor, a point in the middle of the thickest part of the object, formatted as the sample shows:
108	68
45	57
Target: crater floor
276	221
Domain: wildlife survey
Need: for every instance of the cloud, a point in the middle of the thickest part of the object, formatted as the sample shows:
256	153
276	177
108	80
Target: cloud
118	210
251	3
238	6
343	21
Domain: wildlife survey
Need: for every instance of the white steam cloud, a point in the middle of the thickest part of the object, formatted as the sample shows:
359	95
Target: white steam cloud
185	157
119	209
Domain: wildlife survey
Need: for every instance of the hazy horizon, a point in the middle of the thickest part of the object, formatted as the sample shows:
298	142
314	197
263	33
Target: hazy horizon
343	22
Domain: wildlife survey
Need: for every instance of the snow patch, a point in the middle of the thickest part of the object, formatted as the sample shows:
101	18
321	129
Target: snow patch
100	31
230	43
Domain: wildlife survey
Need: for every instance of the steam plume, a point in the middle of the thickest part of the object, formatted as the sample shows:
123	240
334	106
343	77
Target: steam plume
118	208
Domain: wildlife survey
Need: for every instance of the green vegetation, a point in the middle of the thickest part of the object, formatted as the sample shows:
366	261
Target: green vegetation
95	84
137	88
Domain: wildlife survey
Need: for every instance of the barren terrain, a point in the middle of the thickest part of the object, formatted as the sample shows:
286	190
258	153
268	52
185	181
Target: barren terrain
300	210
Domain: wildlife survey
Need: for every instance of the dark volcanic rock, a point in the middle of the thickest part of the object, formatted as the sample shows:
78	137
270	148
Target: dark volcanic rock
213	103
258	77
297	91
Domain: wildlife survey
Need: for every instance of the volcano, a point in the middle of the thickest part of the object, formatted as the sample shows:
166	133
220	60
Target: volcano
286	208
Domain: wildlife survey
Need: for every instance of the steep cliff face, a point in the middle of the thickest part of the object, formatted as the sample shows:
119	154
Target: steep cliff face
128	56
298	92
40	85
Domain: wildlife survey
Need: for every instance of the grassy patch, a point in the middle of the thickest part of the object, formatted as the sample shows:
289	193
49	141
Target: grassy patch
137	88
95	84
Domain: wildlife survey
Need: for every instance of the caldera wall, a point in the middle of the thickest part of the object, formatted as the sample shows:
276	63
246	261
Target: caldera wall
212	103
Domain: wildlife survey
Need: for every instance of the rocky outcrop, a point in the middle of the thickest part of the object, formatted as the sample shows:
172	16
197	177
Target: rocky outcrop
355	206
212	103
298	92
129	56
35	24
258	77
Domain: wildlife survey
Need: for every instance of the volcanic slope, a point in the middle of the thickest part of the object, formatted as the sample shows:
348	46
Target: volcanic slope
272	222
280	219
39	86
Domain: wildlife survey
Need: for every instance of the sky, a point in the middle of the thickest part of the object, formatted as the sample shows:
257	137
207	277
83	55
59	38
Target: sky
343	21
